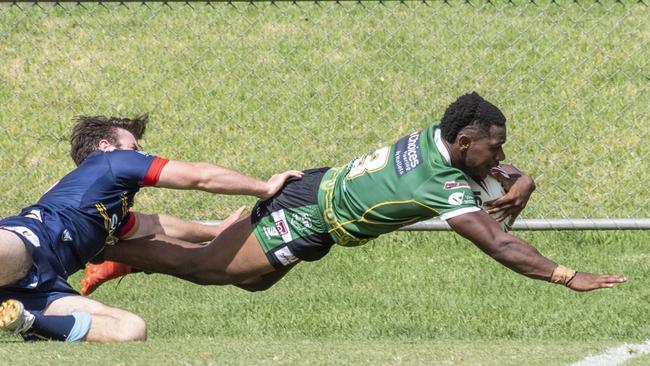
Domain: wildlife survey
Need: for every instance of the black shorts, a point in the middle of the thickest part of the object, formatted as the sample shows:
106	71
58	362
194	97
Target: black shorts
290	226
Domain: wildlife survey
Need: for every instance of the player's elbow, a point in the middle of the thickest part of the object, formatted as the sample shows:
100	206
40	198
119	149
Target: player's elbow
531	183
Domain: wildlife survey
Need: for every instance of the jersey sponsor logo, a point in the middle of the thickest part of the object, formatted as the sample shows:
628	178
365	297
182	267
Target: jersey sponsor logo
457	198
285	256
301	219
470	200
281	225
25	233
270	232
65	236
455	185
408	154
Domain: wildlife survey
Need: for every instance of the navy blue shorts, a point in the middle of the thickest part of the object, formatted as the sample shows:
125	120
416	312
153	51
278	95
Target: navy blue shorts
44	283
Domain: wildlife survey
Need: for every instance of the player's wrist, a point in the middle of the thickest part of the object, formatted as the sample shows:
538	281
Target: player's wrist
264	190
563	275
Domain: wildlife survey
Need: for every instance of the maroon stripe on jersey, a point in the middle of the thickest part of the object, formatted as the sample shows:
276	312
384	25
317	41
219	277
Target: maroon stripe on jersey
153	174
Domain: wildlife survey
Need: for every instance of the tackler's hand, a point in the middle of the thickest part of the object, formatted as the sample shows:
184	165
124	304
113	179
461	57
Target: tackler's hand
277	181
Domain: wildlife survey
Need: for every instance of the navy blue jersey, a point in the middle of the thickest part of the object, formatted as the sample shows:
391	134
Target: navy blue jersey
89	206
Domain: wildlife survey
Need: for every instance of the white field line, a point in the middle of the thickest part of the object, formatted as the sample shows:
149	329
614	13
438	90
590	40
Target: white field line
616	356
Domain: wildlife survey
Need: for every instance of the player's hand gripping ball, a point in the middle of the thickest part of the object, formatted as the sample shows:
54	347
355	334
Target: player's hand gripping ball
487	190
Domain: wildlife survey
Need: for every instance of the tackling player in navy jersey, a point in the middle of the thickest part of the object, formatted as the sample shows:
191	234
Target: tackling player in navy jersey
88	209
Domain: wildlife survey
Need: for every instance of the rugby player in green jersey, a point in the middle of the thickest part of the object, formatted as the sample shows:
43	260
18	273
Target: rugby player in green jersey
421	176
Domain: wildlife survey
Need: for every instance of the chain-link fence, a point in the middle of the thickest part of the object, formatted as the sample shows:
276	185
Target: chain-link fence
264	87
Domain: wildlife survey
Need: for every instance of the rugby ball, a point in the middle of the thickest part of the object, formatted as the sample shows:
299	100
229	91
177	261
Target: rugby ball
487	190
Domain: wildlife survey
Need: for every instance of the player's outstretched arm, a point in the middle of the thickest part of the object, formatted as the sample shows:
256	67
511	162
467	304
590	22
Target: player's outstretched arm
519	187
216	179
521	257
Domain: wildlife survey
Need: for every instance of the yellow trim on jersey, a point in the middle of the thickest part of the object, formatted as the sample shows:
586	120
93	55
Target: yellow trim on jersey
341	236
102	211
125	204
336	228
363	218
107	222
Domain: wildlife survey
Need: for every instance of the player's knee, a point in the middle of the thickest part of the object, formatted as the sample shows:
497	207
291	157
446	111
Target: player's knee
15	259
133	329
14	270
7	278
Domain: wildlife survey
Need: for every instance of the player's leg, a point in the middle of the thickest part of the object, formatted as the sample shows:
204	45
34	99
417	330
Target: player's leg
33	324
67	317
15	259
96	274
234	256
264	282
107	323
260	249
280	231
108	270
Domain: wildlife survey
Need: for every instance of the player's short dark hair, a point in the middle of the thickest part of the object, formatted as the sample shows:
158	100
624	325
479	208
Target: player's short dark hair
89	130
470	110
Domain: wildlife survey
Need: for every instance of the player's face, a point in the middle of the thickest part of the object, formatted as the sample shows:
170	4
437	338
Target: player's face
125	141
485	152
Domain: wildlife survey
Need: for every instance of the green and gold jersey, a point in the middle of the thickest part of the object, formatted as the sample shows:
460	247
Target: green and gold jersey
397	185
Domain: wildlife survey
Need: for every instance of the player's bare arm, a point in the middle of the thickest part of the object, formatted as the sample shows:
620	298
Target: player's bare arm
521	257
216	179
518	186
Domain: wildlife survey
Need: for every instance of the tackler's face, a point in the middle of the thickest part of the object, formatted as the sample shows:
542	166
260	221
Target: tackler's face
124	141
483	153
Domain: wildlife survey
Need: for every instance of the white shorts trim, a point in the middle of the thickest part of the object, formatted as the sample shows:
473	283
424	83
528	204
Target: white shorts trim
448	215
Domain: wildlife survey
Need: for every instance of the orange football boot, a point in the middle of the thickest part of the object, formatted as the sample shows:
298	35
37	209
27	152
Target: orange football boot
96	274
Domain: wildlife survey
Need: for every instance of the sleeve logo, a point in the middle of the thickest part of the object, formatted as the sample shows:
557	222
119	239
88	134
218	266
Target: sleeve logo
455	185
456	198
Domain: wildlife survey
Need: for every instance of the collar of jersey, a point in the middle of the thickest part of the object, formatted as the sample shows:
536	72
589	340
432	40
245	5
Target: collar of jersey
441	146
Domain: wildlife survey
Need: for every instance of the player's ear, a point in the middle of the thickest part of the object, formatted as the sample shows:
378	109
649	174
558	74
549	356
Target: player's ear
463	142
105	145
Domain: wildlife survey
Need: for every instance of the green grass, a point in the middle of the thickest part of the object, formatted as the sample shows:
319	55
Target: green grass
407	298
226	351
265	88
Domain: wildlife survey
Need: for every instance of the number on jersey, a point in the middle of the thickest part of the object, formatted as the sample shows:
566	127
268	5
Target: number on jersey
369	163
